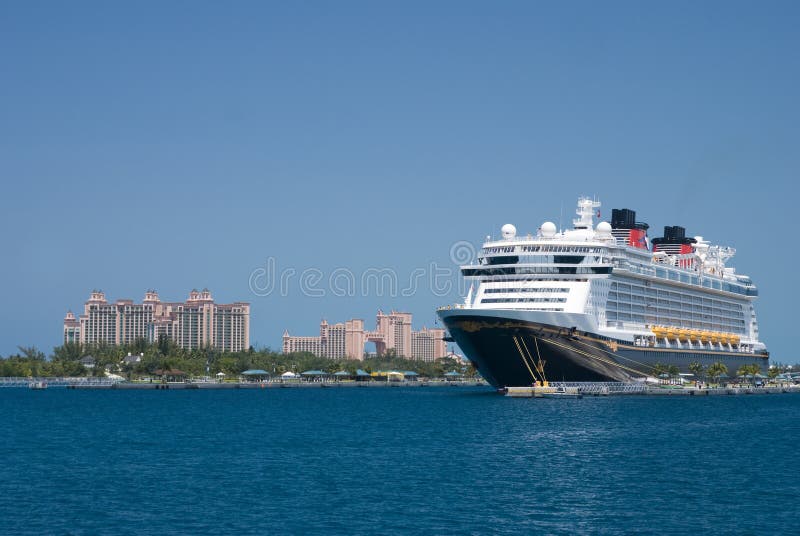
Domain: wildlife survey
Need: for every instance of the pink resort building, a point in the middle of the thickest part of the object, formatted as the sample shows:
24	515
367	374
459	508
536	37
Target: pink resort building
196	323
392	332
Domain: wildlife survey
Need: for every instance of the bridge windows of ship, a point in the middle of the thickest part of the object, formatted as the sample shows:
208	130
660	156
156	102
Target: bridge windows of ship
523	300
500	290
498	249
562	249
526	280
553	259
518	270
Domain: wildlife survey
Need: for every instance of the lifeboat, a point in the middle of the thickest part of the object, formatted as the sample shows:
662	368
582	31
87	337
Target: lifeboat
672	333
683	335
659	331
735	340
705	336
715	337
694	335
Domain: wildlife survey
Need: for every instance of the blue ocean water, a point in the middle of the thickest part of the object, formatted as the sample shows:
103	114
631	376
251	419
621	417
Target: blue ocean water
394	461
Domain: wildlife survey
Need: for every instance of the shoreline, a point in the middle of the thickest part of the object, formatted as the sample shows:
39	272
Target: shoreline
588	389
271	385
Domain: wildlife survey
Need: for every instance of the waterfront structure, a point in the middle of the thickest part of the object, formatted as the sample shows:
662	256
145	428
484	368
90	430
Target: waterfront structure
72	328
428	344
335	341
599	303
196	323
393	332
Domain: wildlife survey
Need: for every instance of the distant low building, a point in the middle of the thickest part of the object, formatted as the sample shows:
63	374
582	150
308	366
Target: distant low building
132	359
392	333
196	323
88	362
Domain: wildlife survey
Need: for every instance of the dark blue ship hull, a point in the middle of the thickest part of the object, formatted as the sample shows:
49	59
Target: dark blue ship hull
511	352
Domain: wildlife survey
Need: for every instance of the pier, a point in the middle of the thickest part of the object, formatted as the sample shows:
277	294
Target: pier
574	389
58	382
552	390
143	386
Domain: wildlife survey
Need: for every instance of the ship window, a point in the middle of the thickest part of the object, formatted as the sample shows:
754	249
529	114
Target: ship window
523	300
525	289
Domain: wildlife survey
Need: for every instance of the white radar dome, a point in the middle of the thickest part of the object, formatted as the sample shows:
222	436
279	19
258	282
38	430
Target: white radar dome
508	231
603	228
548	229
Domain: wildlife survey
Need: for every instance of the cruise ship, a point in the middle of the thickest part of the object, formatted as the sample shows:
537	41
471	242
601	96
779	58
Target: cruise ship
603	302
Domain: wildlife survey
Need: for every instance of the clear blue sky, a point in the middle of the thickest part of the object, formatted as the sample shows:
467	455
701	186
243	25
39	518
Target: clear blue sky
173	145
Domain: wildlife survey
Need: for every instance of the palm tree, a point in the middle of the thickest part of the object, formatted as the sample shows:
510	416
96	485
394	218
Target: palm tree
715	370
755	370
749	370
696	368
773	372
659	369
673	372
69	351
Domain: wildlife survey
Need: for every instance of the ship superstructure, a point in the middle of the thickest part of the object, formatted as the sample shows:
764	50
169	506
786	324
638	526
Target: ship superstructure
602	302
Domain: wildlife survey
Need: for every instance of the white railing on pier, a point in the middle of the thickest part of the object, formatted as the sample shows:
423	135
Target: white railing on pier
65	381
591	388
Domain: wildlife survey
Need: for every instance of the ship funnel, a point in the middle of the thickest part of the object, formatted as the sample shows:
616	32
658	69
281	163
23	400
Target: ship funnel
626	229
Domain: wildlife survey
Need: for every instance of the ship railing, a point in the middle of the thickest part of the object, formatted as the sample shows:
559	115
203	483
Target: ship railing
453	306
672	344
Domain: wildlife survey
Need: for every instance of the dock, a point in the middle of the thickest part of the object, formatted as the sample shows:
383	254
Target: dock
143	386
108	383
580	389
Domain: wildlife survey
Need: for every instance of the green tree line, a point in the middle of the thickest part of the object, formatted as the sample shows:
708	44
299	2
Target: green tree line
166	355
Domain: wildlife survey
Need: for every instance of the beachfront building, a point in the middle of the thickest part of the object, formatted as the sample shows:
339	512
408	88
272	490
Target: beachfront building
196	323
428	344
72	328
335	341
311	345
392	332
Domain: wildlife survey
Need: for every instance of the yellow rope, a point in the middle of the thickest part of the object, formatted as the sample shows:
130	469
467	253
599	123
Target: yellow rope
519	349
530	356
538	367
539	355
616	356
602	360
525	361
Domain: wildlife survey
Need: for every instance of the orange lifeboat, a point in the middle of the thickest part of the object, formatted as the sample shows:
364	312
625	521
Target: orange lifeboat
659	331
